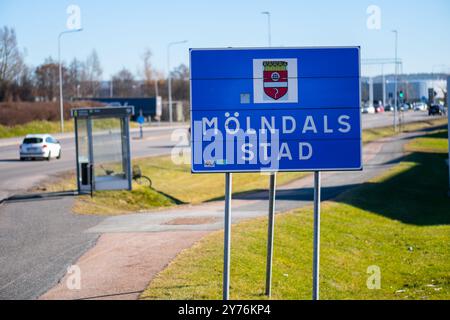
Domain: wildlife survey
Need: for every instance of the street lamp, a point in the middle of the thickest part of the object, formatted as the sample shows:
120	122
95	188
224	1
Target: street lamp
170	77
61	103
268	26
396	80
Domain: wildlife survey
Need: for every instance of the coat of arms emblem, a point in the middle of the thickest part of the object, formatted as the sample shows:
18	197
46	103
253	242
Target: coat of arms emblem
275	76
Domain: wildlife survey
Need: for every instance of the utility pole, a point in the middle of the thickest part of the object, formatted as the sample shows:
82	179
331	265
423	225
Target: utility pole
448	131
370	92
396	80
383	78
268	27
170	76
61	101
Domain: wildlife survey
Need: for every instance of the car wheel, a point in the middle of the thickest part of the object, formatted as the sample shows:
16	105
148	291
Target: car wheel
22	158
59	155
49	156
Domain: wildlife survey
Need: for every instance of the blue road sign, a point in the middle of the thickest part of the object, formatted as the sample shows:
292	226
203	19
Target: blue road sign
275	109
140	120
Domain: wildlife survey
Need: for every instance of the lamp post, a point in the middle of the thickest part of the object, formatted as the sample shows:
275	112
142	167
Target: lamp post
383	79
396	80
448	131
268	26
61	103
170	77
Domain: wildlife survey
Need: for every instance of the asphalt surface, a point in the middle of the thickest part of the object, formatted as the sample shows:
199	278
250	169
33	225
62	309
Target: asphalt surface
37	245
40	238
132	249
17	176
378	157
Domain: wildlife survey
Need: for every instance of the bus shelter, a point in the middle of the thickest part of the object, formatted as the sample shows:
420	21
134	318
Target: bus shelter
102	142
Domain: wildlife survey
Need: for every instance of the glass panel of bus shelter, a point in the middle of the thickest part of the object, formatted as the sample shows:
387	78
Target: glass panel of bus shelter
83	154
110	170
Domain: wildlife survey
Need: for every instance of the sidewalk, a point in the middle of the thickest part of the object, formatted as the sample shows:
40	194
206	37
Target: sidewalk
133	249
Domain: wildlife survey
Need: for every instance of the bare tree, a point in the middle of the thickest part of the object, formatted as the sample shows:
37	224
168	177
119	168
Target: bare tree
124	83
92	74
22	89
180	82
12	63
74	78
47	79
150	75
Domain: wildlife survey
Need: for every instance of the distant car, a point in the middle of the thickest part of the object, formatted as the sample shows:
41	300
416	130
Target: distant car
40	146
379	109
405	107
436	109
420	106
368	109
378	105
388	107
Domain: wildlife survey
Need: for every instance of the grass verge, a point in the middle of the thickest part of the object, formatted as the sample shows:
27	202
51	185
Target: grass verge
399	222
42	126
169	183
171	179
34	127
370	135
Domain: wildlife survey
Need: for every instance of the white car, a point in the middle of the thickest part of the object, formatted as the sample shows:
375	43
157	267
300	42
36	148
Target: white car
420	106
368	109
40	146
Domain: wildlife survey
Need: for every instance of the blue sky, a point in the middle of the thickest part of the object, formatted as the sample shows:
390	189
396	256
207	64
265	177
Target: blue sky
121	30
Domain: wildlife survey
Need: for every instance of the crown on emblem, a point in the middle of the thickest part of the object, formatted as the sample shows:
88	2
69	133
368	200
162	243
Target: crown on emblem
275	65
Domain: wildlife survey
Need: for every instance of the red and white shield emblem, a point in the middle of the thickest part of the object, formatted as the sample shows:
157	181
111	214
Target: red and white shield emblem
275	79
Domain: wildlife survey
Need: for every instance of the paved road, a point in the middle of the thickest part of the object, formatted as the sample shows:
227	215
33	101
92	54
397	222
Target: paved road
37	244
17	176
378	157
40	238
387	118
114	271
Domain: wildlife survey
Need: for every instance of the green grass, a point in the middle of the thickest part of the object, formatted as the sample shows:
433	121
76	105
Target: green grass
173	184
178	182
437	142
36	127
399	222
169	183
370	135
140	198
172	180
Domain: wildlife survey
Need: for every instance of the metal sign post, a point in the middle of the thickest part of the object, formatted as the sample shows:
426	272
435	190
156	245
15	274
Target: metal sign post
227	237
316	246
141	121
273	181
256	109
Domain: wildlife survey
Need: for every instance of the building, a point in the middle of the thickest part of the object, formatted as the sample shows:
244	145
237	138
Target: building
414	87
